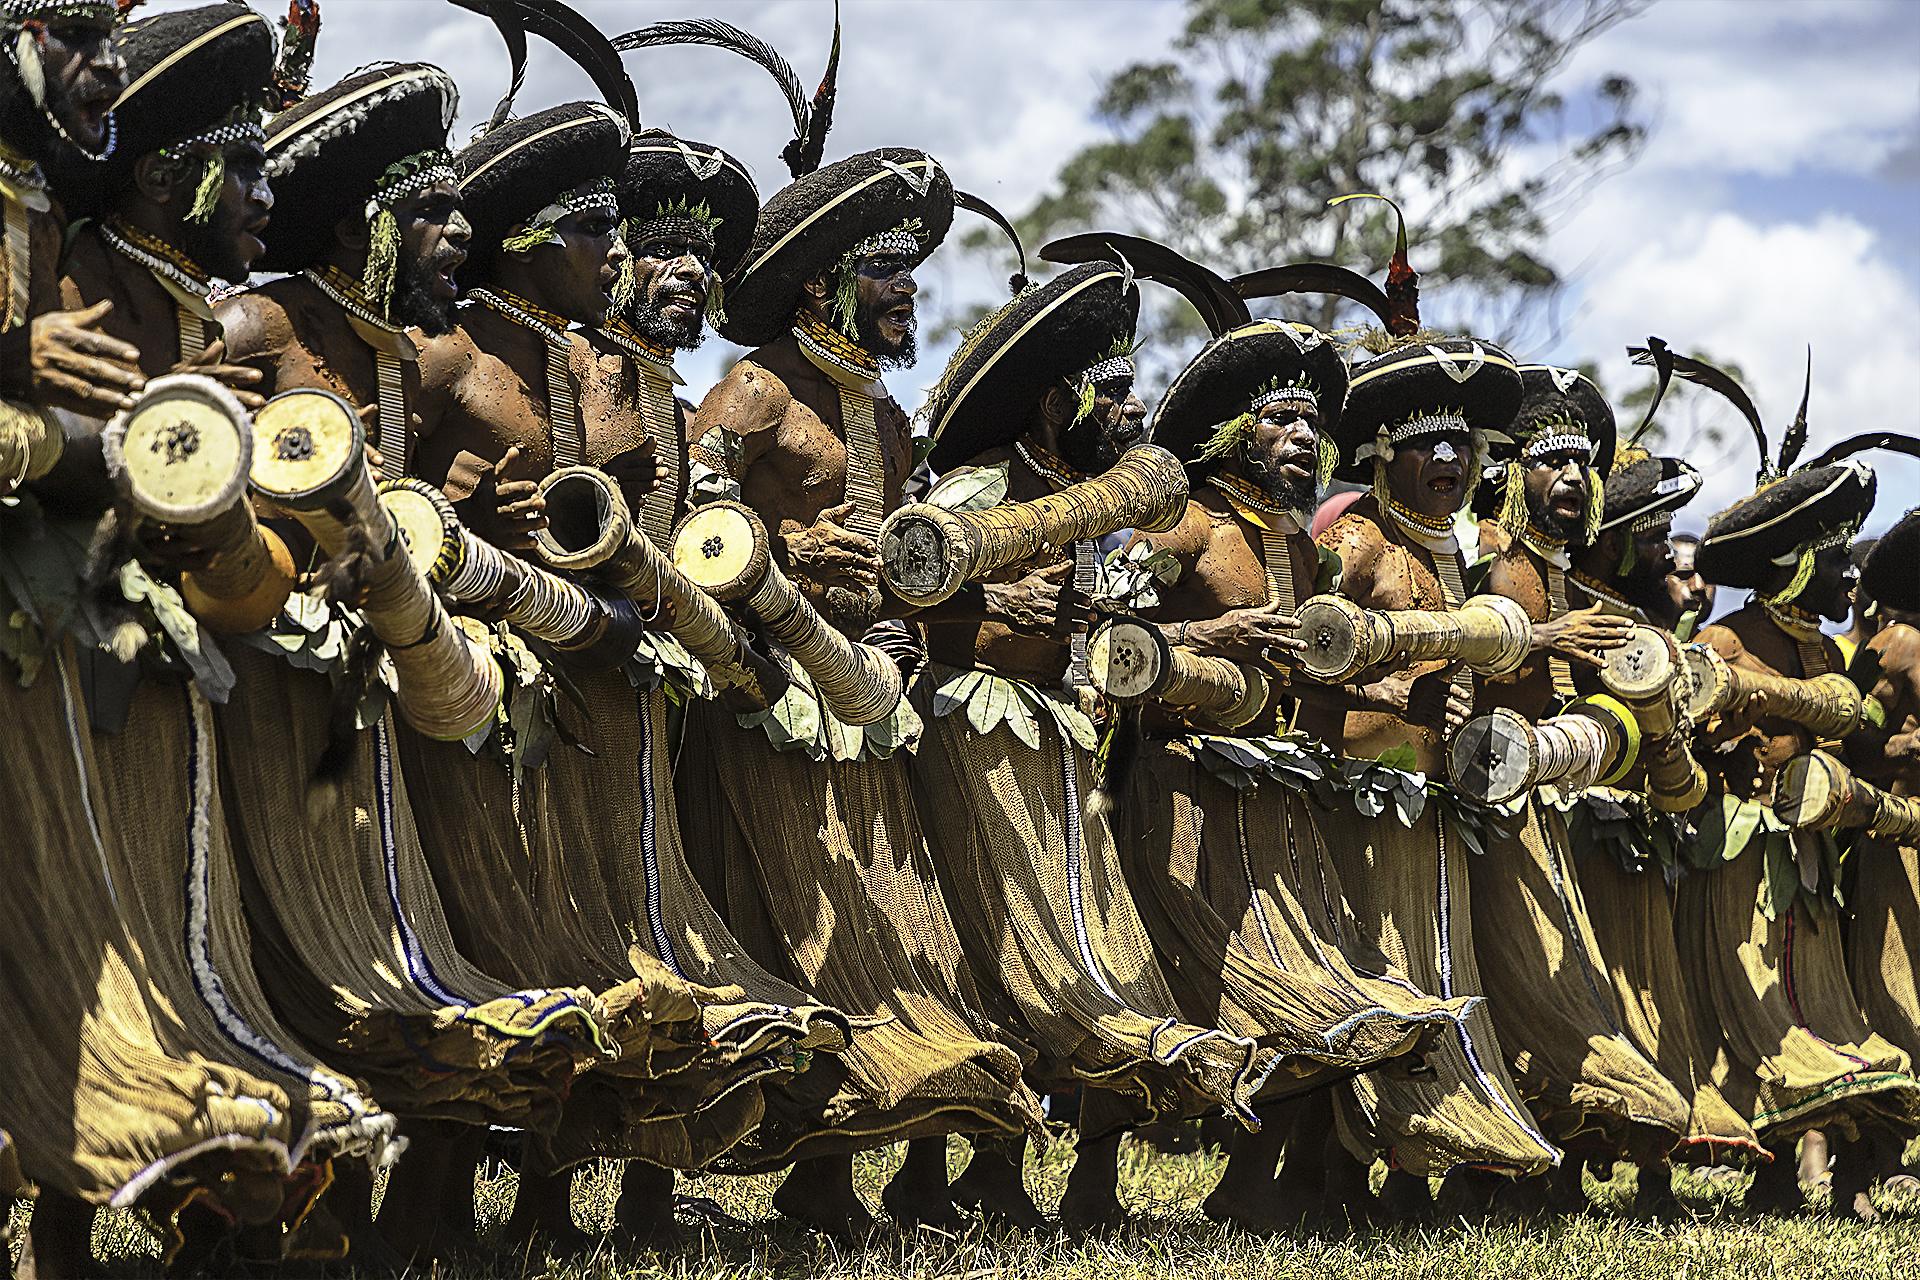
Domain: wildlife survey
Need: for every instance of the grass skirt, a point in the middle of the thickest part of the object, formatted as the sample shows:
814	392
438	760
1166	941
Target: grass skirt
825	879
1548	989
1886	939
350	938
1408	887
1793	1052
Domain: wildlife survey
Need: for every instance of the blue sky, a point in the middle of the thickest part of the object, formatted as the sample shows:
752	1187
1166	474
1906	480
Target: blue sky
1777	203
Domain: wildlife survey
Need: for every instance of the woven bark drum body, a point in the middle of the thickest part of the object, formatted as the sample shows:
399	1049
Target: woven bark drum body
1489	634
1499	756
31	442
1650	676
180	458
312	460
601	630
723	548
1830	705
927	553
1131	662
1814	790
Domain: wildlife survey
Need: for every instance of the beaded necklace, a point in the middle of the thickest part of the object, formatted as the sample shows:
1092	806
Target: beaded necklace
22	191
391	432
827	343
655	379
853	369
1086	569
1600	593
1804	629
563	406
172	268
1262	512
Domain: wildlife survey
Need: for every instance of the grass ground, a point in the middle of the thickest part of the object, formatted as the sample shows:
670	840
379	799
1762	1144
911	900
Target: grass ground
1170	1238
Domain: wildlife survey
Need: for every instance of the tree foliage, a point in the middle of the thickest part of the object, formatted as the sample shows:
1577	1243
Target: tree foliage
1229	148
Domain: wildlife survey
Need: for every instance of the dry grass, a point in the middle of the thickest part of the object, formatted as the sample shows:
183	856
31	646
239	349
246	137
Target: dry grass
1170	1238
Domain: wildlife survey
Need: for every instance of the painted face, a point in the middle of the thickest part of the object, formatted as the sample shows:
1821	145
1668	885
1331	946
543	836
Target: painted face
1653	554
230	241
671	273
1830	591
84	75
1685	586
434	236
1283	453
1429	472
1117	422
578	274
1557	491
884	315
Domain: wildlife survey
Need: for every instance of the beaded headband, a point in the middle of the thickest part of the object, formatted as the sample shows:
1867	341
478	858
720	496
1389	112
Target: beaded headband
904	240
694	223
1112	369
1432	422
1297	392
596	195
242	125
12	11
1558	442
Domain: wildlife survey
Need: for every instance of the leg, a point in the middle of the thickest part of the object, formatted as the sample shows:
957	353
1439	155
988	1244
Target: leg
1246	1196
349	1201
1855	1165
1092	1199
1653	1186
412	1211
1406	1197
643	1216
819	1194
59	1239
918	1195
1816	1159
1776	1184
1349	1195
994	1182
543	1216
1468	1193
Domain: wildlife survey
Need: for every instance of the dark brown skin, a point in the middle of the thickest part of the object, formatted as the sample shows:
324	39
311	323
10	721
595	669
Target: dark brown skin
1433	486
1581	636
1748	638
486	434
83	73
1556	485
1685	587
1646	585
1890	757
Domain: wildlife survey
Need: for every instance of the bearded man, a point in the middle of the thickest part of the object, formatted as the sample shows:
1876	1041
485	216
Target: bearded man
1418	418
822	862
378	235
1756	919
1630	852
1545	974
1225	851
1037	398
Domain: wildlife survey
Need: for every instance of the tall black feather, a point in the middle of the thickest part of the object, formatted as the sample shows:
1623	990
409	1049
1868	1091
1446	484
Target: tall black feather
506	18
1314	277
1660	356
974	204
1219	306
1705	375
1896	441
580	40
804	153
724	35
1796	438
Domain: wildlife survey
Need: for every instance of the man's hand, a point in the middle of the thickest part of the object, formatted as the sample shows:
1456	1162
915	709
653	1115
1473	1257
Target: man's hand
1261	634
1583	635
506	503
827	554
1426	700
78	367
638	471
1043	604
238	378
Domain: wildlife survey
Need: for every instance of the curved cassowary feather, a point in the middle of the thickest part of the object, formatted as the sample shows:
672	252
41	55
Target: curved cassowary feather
1895	441
974	204
1657	354
1219	306
1705	375
506	20
1796	437
811	118
572	34
1403	282
1315	277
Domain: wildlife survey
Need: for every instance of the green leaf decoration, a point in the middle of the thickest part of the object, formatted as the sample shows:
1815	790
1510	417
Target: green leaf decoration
1400	757
971	488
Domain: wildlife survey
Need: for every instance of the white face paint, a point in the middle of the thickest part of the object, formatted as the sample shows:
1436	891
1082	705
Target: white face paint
1444	452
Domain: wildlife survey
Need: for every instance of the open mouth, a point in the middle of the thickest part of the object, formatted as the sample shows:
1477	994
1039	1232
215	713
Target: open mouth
900	317
253	239
1567	503
680	304
1446	483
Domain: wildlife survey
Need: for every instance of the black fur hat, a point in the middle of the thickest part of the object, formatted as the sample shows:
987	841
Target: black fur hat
1820	505
1419	387
809	226
328	155
1048	333
1233	371
1892	572
666	175
190	71
514	171
1646	489
1564	401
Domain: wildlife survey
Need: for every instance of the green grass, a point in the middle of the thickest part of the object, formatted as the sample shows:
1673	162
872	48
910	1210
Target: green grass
1170	1238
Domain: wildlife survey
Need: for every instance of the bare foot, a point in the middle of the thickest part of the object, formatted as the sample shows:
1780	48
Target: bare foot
994	1183
542	1218
819	1195
643	1215
918	1195
1092	1199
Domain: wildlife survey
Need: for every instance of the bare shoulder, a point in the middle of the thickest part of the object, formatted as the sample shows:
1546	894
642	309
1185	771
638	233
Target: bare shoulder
748	401
1190	539
1723	640
445	360
255	323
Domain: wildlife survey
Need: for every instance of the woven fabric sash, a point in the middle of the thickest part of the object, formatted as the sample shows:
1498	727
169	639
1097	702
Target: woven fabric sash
1813	658
17	245
394	437
1446	567
563	409
659	513
1086	577
866	471
1559	667
1280	589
